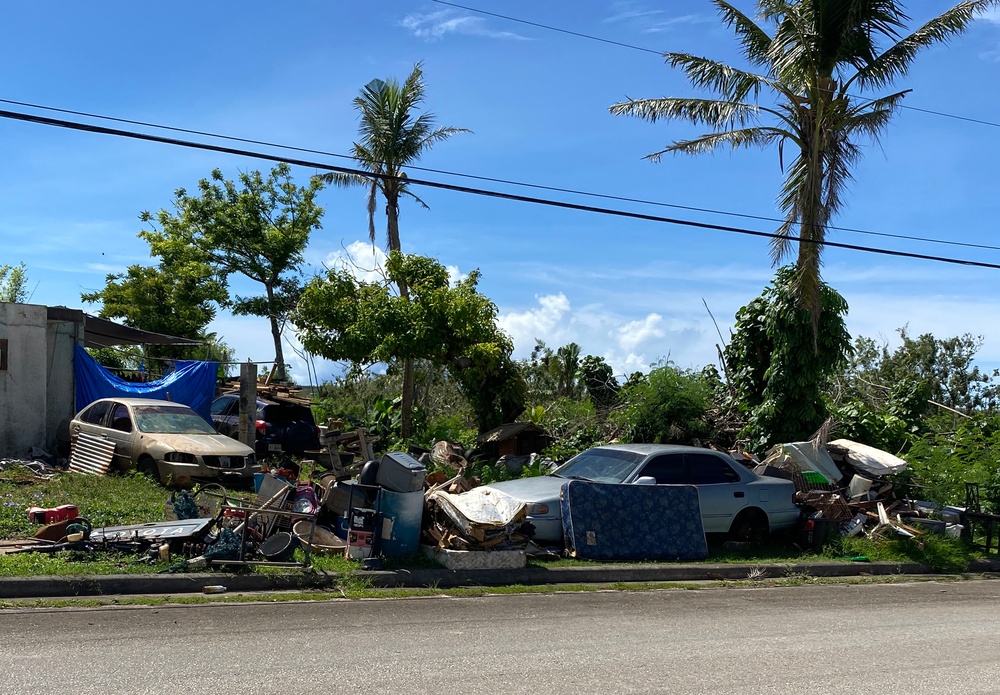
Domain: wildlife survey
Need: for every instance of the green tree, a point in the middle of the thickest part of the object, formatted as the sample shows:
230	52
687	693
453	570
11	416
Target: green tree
777	366
668	406
393	136
343	318
820	63
14	283
258	229
179	301
601	385
553	374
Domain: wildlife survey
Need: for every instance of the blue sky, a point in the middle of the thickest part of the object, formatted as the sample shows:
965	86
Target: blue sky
537	101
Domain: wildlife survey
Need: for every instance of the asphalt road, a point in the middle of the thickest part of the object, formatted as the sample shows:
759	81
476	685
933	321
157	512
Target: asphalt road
880	639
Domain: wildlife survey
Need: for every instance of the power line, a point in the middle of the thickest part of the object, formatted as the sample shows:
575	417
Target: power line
643	49
489	179
549	27
86	127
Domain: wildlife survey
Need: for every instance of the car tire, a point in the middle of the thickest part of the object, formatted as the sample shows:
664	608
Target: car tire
148	468
749	526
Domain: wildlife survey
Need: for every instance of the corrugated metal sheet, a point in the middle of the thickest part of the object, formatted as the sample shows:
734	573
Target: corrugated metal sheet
91	454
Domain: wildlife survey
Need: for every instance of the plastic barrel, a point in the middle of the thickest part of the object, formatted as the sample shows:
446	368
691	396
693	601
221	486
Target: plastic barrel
401	513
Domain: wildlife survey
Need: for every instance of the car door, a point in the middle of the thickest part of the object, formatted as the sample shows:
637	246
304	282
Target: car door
720	489
226	415
90	420
123	433
666	469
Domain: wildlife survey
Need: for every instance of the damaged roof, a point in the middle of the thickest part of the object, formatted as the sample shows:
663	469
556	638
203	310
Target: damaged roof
99	333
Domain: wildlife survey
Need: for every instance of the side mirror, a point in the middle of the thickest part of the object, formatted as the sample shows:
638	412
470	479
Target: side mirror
645	480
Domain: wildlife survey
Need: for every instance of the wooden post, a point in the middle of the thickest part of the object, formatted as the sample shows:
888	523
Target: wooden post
248	404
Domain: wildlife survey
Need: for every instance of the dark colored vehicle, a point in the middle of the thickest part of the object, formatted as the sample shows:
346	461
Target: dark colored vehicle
282	427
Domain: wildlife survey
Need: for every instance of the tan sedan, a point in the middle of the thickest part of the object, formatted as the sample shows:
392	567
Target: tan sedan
167	441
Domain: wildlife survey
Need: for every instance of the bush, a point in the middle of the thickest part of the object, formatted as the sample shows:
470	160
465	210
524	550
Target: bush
669	406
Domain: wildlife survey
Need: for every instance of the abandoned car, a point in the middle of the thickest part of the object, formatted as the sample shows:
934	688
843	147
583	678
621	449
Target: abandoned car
165	440
734	500
282	427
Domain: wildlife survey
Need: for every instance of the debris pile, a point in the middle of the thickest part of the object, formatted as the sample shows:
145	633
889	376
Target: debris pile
846	488
466	518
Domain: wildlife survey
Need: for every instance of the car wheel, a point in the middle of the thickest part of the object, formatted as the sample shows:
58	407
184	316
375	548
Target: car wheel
148	468
749	526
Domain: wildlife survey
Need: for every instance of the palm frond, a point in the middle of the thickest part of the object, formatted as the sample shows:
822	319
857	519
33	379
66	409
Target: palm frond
754	40
344	180
743	137
370	206
732	84
407	192
781	245
896	61
712	112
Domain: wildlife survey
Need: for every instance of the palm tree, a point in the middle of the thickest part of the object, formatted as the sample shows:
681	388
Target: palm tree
821	53
392	137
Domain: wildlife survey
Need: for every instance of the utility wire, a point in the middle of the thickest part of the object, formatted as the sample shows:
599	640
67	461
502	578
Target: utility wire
549	27
591	37
87	127
489	179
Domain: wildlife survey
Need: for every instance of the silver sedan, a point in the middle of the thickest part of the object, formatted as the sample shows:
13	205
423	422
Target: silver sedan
734	499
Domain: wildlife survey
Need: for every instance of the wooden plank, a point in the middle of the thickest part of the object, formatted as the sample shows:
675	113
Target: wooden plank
91	454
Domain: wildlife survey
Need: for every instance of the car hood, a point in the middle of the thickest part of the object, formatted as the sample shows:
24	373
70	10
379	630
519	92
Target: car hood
200	444
538	489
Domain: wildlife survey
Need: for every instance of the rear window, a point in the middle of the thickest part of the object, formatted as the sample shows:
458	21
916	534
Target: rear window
286	413
95	413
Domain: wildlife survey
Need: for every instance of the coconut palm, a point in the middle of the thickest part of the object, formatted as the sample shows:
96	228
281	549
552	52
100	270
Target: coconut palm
392	137
820	56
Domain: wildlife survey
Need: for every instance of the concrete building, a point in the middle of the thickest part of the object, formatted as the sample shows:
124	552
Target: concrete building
37	386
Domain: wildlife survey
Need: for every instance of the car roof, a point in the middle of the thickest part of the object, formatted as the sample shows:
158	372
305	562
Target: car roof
650	449
142	401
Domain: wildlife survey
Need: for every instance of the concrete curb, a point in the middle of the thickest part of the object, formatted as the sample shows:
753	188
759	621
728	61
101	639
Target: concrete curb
156	584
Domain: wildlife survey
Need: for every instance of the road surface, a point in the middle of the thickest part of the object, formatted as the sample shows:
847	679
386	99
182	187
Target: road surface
881	639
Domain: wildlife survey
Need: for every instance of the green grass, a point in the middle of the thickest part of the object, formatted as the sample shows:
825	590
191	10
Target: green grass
133	499
105	500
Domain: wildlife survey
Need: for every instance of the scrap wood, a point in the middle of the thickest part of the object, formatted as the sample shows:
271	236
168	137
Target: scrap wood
885	522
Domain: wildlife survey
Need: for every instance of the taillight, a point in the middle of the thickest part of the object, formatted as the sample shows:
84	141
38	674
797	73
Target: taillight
809	525
261	427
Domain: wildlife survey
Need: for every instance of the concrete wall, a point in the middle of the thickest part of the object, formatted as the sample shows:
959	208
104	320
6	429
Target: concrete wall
60	385
23	401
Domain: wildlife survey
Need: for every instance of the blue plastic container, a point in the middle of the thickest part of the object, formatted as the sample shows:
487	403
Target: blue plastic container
401	514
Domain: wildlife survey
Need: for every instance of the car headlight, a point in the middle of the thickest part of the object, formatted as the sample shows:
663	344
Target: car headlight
179	457
538	509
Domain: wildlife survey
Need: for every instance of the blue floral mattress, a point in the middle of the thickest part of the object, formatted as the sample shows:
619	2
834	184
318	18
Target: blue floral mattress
632	522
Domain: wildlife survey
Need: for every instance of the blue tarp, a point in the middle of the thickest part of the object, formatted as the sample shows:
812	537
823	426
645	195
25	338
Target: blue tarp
190	383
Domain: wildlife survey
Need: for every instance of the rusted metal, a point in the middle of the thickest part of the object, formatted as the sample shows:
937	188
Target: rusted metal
91	454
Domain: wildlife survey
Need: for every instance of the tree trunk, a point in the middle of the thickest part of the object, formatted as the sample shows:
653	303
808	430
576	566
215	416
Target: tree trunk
279	355
406	395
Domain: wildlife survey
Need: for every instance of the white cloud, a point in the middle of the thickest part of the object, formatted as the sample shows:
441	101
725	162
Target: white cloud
635	333
455	276
436	25
991	15
628	344
649	21
361	259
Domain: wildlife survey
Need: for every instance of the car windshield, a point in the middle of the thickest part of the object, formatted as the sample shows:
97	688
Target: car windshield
601	465
170	419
